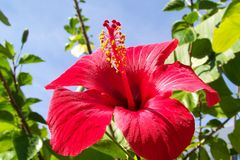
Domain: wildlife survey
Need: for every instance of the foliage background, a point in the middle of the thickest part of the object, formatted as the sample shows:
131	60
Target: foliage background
46	38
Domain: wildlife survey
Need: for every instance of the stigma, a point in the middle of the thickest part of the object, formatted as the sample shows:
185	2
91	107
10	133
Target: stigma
112	44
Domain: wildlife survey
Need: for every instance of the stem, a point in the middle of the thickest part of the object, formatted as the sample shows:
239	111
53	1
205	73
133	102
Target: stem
206	139
20	53
111	131
18	110
124	150
190	53
14	75
138	158
15	106
78	10
191	3
190	44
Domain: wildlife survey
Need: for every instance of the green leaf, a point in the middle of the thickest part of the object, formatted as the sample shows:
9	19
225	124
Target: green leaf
44	132
228	32
5	126
174	5
4	52
6	116
30	58
31	101
180	25
215	111
234	137
25	36
4	19
213	123
183	32
230	106
69	29
232	70
191	17
196	62
24	79
207	73
185	36
207	4
73	21
27	146
88	154
181	54
47	151
69	46
188	99
8	155
219	149
220	86
5	141
201	48
92	154
193	156
36	117
10	48
107	146
204	154
226	56
205	28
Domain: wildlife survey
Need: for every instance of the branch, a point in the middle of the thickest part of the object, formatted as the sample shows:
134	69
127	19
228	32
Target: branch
191	3
206	139
190	54
78	10
15	106
18	110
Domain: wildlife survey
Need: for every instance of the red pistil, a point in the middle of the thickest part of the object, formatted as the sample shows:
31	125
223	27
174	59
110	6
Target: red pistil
113	46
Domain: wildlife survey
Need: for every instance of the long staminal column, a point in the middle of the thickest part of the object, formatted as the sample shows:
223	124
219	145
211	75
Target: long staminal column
113	46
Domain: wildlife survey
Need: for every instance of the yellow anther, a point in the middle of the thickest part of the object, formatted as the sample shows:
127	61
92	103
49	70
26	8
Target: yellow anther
113	46
113	42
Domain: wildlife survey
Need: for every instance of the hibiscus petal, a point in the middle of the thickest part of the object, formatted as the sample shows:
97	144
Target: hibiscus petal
78	119
93	72
142	62
177	76
146	57
161	131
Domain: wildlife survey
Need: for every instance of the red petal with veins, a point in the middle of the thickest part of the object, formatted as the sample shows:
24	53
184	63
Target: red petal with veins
78	119
177	76
147	57
160	131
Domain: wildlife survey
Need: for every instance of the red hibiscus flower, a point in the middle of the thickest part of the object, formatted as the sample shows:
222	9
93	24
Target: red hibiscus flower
132	86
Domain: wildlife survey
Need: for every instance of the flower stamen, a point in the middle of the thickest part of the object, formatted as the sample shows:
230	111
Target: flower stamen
113	46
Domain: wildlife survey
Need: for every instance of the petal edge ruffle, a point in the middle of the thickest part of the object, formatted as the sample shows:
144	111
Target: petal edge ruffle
177	76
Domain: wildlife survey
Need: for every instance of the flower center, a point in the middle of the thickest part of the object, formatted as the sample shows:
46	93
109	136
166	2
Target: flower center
115	50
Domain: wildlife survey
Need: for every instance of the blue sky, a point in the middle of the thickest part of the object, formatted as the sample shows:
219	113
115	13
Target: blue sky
143	22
